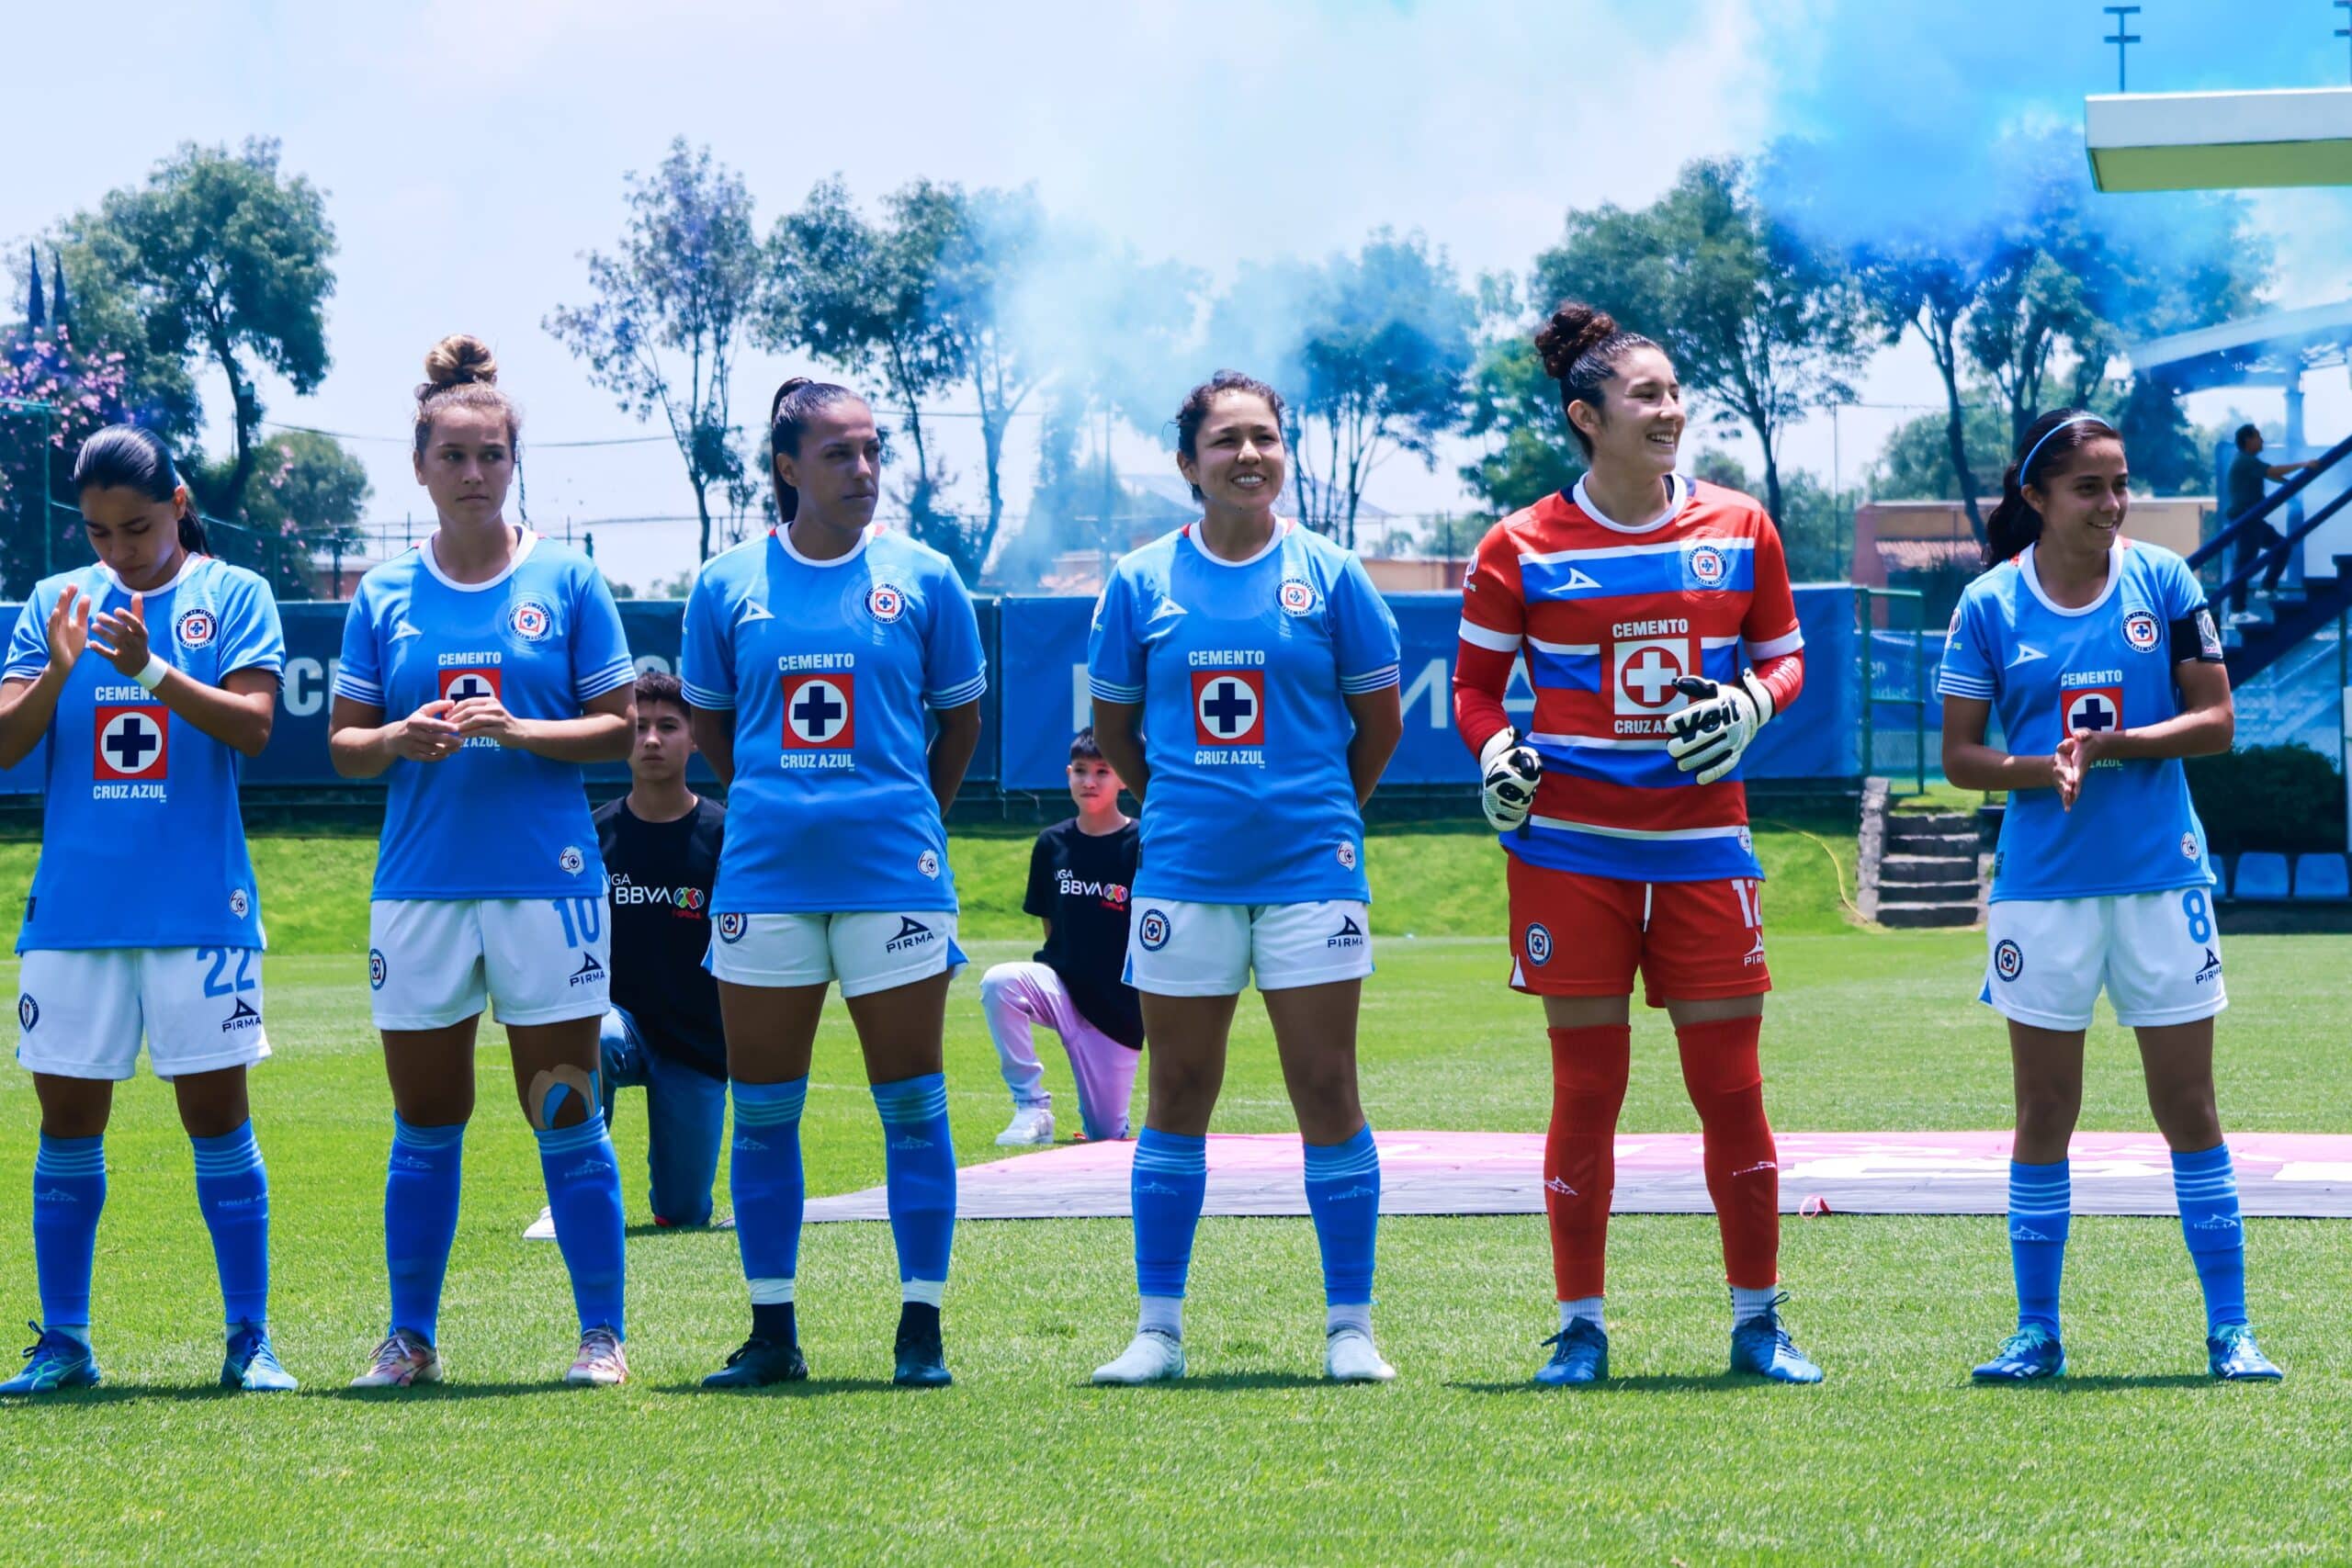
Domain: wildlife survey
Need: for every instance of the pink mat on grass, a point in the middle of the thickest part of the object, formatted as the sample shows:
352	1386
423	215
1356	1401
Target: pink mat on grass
2302	1174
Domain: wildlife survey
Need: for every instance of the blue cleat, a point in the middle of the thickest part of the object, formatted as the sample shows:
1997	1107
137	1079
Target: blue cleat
2233	1356
1762	1347
252	1363
1580	1356
922	1360
54	1362
2029	1354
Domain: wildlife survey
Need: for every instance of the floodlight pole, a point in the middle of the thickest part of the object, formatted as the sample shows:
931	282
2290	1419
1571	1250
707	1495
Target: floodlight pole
2122	40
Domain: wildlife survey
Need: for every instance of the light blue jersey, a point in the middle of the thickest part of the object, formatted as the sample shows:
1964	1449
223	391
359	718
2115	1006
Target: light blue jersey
827	667
141	845
1243	669
543	637
2049	671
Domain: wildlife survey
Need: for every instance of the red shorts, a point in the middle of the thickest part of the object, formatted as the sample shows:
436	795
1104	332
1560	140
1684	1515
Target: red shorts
1573	935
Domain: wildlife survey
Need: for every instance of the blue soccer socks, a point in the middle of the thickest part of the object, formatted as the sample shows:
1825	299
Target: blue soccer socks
2041	1206
233	1191
585	1192
918	1176
1343	1197
69	1193
1166	1185
2207	1191
420	1220
768	1186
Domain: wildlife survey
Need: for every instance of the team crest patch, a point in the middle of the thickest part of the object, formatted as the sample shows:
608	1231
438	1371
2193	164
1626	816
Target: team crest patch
2188	846
195	627
1347	856
1538	945
572	859
531	620
1296	596
1708	566
731	928
927	862
1152	930
133	743
2008	960
376	968
821	720
885	603
28	1012
2140	629
239	903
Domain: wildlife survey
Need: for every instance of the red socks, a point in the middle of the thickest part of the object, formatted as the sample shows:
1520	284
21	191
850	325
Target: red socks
1589	1071
1726	1084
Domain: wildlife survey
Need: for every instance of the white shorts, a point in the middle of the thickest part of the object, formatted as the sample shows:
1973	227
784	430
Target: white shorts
865	950
435	962
2157	953
1210	950
80	1013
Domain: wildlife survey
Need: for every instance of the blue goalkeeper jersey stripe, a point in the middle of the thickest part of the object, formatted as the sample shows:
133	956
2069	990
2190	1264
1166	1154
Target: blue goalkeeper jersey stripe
142	843
829	668
1243	670
544	637
2048	671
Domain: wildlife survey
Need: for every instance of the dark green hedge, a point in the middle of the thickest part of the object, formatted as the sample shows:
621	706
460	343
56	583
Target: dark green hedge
2289	798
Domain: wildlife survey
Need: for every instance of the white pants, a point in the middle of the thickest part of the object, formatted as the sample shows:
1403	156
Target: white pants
1016	999
2157	954
1211	949
80	1013
865	950
435	962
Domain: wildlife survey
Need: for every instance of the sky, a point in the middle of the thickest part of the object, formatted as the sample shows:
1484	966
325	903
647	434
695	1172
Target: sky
472	151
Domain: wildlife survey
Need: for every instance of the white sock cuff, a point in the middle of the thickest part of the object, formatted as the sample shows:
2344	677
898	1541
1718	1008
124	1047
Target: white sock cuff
1162	1315
1587	1308
929	1292
771	1293
1348	1315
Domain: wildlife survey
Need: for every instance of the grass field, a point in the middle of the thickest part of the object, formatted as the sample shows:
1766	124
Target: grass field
1896	1458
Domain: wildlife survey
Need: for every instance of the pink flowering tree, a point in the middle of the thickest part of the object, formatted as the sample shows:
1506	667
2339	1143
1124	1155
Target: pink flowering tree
82	393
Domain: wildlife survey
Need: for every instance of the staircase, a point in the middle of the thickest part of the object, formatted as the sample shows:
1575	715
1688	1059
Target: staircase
2249	650
1918	868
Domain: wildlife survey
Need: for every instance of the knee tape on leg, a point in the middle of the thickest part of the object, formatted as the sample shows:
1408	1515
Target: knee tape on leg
549	1086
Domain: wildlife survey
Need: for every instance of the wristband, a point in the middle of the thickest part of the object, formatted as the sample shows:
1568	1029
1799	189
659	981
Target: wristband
153	676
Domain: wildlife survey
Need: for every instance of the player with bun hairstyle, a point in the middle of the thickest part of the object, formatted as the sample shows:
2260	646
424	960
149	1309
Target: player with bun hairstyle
144	917
480	669
1660	634
2101	656
816	659
1245	675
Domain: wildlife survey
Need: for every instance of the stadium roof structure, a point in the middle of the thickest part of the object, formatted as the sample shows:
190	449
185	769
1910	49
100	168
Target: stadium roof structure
2232	141
2274	350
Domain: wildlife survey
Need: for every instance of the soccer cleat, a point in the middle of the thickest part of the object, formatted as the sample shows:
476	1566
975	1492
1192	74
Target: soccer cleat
1349	1357
1150	1357
2233	1356
2030	1354
402	1359
252	1362
758	1362
1032	1125
922	1360
54	1362
1580	1356
1762	1345
601	1363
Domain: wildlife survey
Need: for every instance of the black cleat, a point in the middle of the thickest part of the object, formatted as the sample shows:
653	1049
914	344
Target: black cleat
758	1362
922	1361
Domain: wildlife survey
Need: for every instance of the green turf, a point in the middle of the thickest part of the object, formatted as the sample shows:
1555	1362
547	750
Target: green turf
1895	1460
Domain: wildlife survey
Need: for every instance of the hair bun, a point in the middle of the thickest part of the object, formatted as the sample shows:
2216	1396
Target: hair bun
1574	329
791	385
456	361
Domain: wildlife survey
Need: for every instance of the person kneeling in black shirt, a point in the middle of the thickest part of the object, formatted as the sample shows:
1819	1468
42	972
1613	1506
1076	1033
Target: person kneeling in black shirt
1079	876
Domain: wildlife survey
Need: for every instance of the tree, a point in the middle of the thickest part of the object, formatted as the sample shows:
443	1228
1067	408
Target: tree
1918	291
974	300
80	393
1757	321
1515	407
1916	463
671	305
311	493
1816	535
219	258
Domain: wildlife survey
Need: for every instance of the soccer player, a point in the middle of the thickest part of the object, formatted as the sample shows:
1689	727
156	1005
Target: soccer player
1660	634
151	674
1079	876
480	667
1244	674
814	656
2102	657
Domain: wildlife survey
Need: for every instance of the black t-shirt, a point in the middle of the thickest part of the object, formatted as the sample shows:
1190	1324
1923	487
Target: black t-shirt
660	896
1081	883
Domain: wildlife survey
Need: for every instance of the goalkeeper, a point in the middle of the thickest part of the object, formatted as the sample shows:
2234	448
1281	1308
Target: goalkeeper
1639	599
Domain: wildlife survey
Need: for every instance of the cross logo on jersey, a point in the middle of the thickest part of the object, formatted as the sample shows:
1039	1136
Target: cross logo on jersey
1229	708
2093	709
456	686
820	711
1647	672
131	742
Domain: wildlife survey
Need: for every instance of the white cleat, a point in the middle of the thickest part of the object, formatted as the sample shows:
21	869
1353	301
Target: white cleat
1151	1357
601	1363
1032	1125
1349	1357
402	1360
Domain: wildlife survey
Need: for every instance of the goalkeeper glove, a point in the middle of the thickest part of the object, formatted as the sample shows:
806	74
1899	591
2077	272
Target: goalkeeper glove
1508	772
1710	734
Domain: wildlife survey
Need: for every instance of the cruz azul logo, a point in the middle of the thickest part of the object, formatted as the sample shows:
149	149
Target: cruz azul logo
819	728
1539	945
885	603
531	620
2008	960
464	684
2140	629
133	744
1648	658
1707	567
1229	711
1152	930
195	627
1296	596
2093	709
731	928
